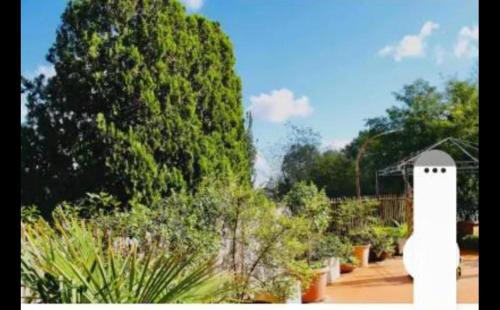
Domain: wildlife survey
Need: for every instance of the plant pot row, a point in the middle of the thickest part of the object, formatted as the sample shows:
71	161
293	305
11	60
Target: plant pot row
324	276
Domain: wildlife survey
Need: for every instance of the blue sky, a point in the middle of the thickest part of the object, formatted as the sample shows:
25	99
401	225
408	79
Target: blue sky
327	64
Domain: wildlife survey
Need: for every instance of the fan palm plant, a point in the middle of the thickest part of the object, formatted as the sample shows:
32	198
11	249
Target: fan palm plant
72	261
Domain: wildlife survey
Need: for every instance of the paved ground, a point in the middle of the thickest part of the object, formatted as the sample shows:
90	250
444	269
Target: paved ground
387	282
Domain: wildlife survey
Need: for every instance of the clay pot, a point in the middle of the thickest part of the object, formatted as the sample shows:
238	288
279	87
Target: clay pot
362	253
346	268
317	287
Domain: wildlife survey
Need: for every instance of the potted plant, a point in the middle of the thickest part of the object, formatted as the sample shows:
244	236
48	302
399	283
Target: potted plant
331	250
353	219
401	236
382	243
279	289
361	239
348	264
316	290
308	203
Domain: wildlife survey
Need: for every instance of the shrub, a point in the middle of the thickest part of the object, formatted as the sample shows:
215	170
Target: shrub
383	240
261	240
402	230
330	246
306	202
181	223
74	261
354	218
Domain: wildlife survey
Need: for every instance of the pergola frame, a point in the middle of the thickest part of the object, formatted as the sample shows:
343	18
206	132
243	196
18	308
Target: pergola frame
404	167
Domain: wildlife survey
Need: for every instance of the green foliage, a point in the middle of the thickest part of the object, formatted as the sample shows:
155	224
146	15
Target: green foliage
306	202
74	261
182	223
262	240
468	197
334	172
29	214
145	100
426	115
383	240
298	162
296	156
345	253
352	260
330	246
282	285
401	230
353	216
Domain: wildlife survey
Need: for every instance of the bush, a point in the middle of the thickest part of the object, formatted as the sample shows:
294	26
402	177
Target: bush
383	240
306	202
330	246
254	239
261	240
181	223
76	261
354	218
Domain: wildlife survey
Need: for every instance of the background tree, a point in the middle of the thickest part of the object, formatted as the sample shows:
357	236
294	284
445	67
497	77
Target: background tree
145	99
426	116
334	172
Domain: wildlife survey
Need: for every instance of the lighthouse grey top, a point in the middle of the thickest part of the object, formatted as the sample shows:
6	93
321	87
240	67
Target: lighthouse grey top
434	158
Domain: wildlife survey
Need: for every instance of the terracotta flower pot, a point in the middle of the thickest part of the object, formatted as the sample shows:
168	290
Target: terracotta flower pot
317	287
346	268
362	253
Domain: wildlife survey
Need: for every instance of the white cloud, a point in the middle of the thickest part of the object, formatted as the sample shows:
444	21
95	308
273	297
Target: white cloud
334	144
467	42
263	171
193	4
279	105
440	55
410	45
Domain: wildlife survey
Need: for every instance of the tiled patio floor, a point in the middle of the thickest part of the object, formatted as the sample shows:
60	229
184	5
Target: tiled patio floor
387	282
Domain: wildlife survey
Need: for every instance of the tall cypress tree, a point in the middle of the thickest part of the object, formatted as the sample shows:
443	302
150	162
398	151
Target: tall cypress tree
145	100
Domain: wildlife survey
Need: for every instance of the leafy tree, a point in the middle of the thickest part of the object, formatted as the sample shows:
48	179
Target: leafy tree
334	172
426	117
296	155
298	162
145	100
260	241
